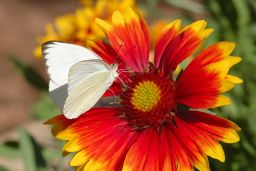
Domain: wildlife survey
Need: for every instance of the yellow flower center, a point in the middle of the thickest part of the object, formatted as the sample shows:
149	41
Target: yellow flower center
145	96
147	100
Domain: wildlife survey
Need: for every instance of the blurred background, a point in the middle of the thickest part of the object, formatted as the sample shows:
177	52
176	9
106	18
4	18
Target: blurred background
27	145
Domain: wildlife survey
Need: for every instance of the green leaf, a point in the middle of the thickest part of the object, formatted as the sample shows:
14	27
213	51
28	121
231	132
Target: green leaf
44	108
9	150
3	168
29	73
51	154
31	152
187	5
218	12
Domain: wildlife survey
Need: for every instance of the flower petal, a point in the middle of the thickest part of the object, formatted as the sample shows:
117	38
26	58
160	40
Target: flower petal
187	148
104	50
113	90
129	37
195	135
100	139
210	68
180	160
59	123
146	150
166	36
210	126
181	45
166	154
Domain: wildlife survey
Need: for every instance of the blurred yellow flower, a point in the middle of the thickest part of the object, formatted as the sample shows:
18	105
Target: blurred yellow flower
79	26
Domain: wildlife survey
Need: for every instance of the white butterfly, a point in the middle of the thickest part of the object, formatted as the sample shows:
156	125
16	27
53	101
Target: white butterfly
78	77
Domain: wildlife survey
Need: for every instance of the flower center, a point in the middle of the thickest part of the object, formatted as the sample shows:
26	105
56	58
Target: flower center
147	100
145	95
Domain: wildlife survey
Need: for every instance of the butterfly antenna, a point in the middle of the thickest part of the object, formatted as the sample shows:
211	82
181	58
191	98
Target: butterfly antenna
120	47
118	52
124	83
122	71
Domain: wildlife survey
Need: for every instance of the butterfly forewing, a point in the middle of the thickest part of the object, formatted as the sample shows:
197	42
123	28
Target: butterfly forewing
59	57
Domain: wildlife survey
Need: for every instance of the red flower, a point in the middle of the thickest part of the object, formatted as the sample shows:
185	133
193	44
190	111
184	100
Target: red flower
157	124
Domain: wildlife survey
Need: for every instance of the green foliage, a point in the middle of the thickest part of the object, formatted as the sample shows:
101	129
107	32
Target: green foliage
31	152
187	5
44	108
3	168
34	156
9	150
235	21
33	77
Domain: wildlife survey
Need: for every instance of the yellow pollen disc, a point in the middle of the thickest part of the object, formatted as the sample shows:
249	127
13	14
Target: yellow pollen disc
145	95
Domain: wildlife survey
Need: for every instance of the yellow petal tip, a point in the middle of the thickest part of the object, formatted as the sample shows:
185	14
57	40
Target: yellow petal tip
117	18
226	47
231	136
222	101
105	26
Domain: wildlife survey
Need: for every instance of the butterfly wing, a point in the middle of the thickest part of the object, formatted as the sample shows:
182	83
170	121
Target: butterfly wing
88	81
59	57
84	69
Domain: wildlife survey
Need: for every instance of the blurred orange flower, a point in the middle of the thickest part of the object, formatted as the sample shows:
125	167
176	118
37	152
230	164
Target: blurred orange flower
78	26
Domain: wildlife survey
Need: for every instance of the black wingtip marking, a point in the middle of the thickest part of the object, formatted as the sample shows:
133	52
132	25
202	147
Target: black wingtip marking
45	45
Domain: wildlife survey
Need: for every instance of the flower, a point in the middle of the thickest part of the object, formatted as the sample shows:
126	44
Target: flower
158	123
79	26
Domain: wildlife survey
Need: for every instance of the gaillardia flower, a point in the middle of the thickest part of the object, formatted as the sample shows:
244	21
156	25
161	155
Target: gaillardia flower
158	123
78	26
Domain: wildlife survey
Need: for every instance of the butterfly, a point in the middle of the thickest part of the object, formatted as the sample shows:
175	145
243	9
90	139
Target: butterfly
78	77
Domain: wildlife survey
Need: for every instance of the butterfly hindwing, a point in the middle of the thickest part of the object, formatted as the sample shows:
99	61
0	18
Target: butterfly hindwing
59	57
88	81
84	69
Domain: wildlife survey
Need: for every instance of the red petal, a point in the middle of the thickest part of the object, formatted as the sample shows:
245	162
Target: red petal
114	90
129	37
212	126
143	154
181	46
205	78
166	36
100	139
187	154
104	50
167	155
59	123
